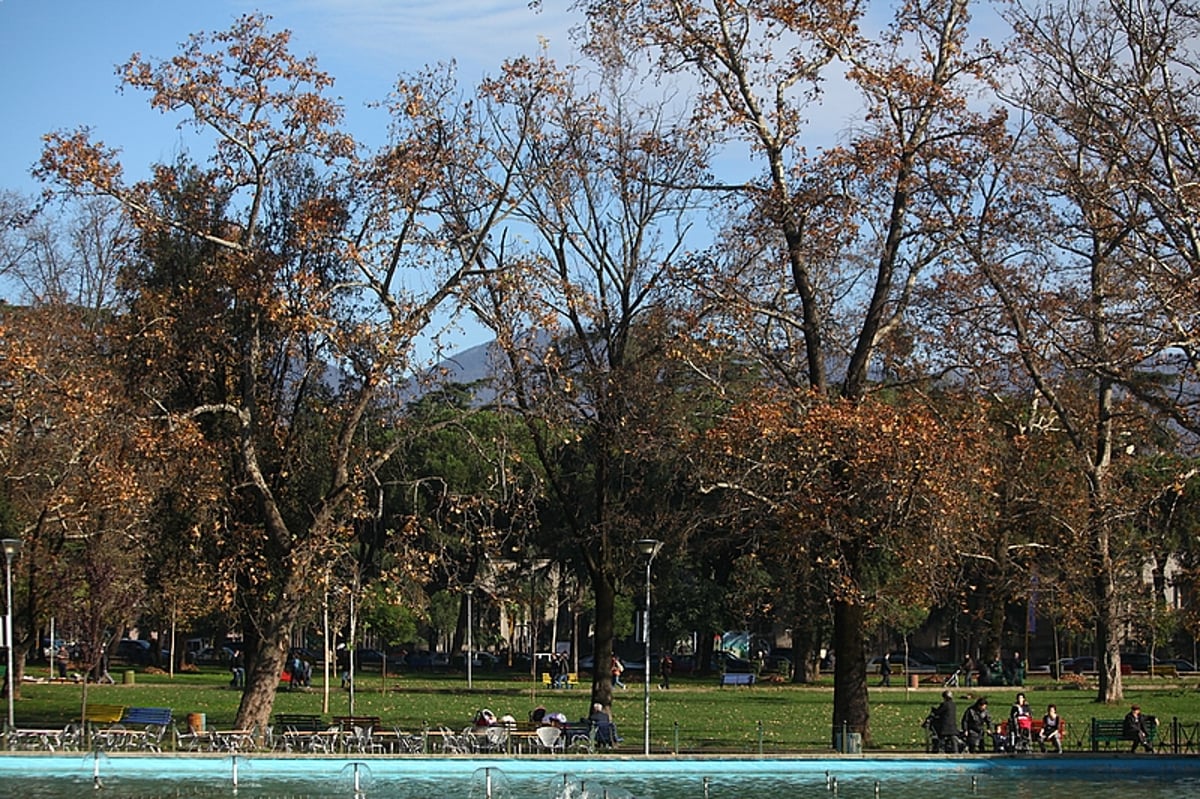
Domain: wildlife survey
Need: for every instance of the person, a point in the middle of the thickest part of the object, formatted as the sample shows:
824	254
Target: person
1020	724
606	730
968	668
62	659
102	675
977	725
885	671
665	667
1051	729
1134	730
237	668
537	715
1015	673
483	719
560	670
944	725
616	668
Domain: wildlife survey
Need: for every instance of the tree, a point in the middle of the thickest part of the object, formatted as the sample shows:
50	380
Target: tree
1071	295
584	317
312	274
822	268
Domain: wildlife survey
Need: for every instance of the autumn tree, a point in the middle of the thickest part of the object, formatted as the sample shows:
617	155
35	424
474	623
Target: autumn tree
583	315
829	247
287	284
1076	291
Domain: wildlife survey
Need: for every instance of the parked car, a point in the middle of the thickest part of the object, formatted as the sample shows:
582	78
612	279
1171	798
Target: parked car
213	656
1180	664
132	652
731	663
480	661
374	659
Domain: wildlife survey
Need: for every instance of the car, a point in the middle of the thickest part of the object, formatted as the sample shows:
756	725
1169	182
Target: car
480	661
375	659
1180	664
731	663
1138	661
132	652
1081	664
212	656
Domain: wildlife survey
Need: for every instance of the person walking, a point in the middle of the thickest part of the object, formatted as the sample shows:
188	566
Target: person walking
617	668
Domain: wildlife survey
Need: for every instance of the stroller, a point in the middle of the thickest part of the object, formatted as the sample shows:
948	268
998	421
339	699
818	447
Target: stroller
1019	739
950	744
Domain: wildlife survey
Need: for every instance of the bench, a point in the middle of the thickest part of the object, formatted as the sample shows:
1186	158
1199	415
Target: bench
572	680
300	722
154	720
1035	731
1164	670
348	723
737	679
1112	731
103	714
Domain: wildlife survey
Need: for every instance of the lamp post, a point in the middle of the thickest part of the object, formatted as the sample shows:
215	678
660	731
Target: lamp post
470	589
12	548
648	547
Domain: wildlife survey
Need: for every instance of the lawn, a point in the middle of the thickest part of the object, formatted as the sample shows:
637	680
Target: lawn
694	716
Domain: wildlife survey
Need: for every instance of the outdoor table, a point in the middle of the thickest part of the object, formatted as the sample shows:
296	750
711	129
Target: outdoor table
233	740
324	741
47	739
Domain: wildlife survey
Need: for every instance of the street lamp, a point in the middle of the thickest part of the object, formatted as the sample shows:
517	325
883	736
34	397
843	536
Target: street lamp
470	589
12	548
648	547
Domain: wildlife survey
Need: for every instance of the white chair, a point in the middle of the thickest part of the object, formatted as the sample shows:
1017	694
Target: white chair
550	739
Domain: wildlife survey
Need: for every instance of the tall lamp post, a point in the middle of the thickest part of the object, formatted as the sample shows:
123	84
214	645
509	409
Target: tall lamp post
648	547
12	548
470	589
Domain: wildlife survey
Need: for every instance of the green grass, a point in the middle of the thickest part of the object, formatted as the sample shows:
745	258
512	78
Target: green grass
694	715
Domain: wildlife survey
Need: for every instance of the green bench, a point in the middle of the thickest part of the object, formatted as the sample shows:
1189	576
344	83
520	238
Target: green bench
300	722
1112	731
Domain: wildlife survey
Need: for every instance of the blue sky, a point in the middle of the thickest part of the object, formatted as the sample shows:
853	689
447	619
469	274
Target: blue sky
58	59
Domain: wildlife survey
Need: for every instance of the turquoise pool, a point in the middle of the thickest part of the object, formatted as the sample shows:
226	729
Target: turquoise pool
34	776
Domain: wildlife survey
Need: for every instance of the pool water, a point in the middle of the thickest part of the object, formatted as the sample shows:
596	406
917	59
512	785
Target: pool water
27	776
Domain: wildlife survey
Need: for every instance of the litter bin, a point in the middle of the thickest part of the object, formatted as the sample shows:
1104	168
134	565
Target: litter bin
914	681
849	743
196	722
127	678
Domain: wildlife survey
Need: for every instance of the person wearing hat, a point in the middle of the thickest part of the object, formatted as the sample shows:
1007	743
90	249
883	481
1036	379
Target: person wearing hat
945	725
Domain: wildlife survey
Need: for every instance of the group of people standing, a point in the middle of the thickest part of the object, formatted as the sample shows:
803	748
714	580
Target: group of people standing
976	730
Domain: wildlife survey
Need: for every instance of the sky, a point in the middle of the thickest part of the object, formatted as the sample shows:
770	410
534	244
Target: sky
58	59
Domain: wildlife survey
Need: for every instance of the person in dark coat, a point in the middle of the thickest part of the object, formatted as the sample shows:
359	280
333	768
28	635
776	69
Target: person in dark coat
945	725
977	725
1134	730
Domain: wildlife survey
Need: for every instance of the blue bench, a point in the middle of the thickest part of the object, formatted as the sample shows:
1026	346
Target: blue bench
737	679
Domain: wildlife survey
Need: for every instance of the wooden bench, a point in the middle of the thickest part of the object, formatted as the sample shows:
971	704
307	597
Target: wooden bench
1164	670
155	721
103	714
300	722
1112	731
746	679
348	723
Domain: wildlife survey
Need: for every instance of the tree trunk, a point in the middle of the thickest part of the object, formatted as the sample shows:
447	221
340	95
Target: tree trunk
602	645
266	651
851	711
1108	622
